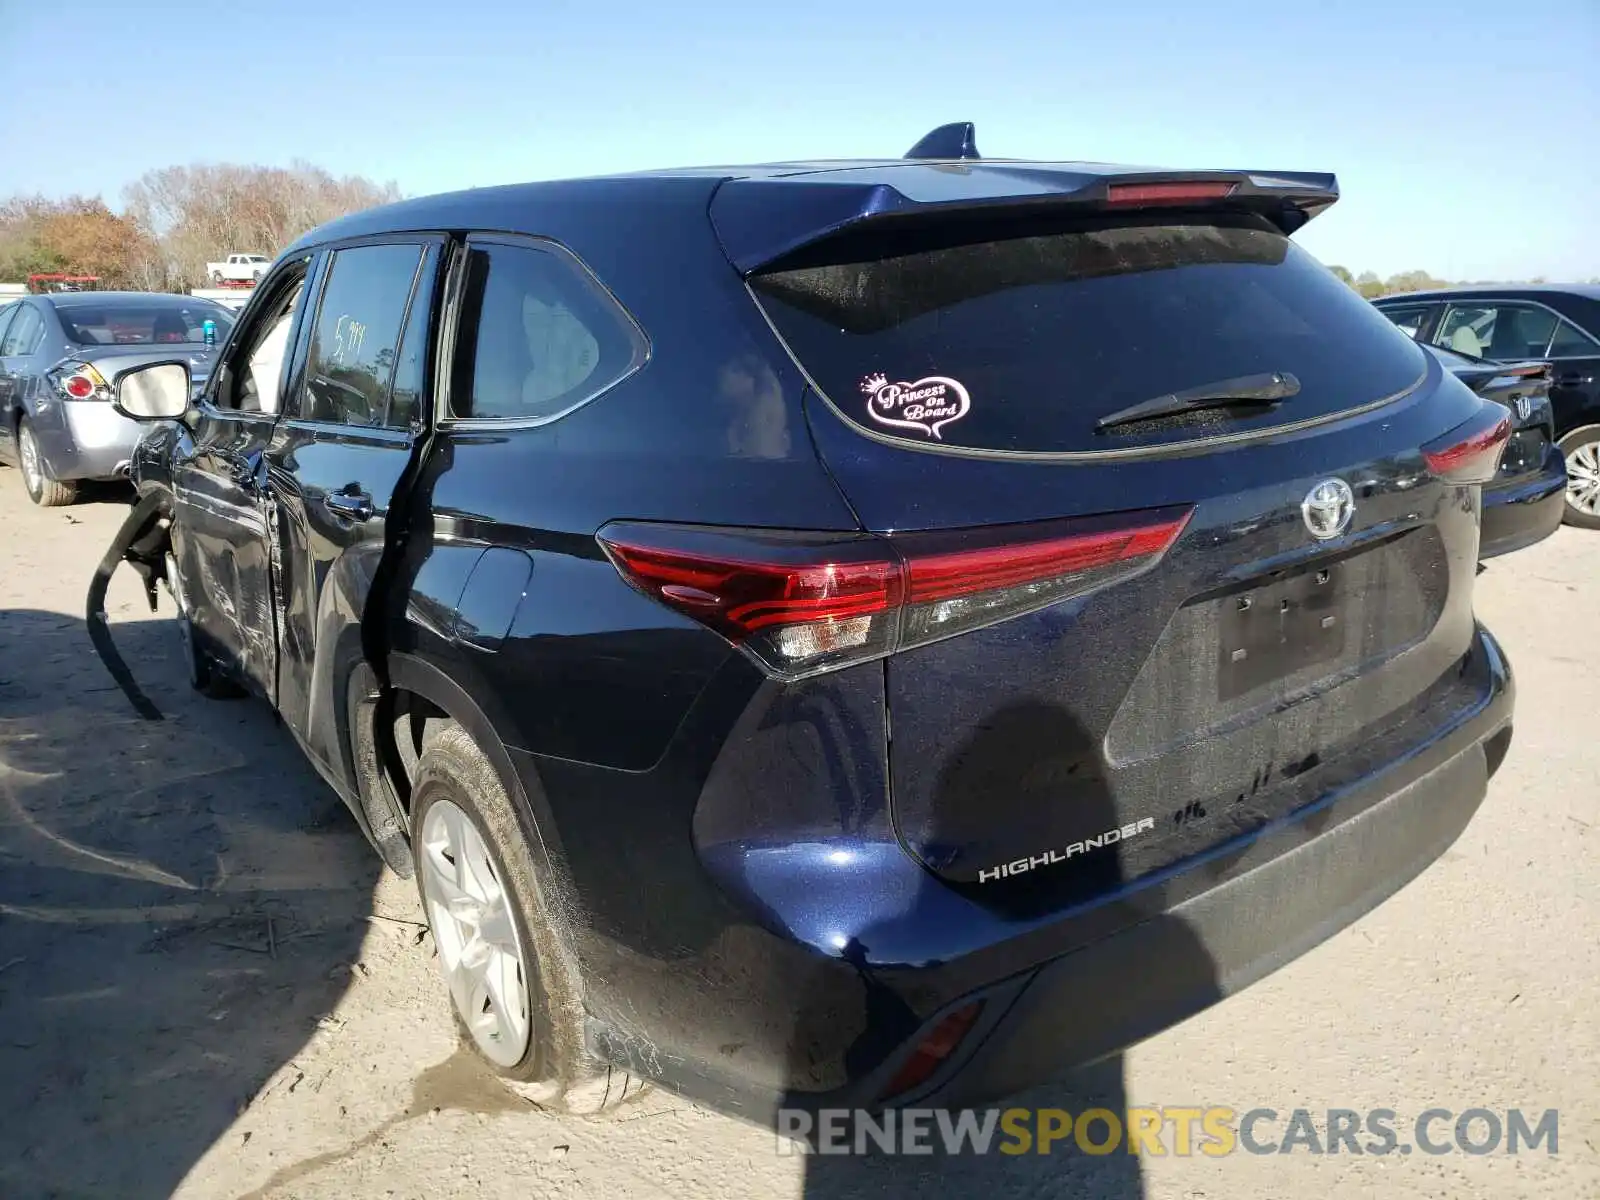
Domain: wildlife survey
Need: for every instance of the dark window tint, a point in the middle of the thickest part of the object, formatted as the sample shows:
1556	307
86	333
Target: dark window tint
1572	342
1408	318
1023	342
24	333
152	321
540	336
1497	330
357	334
405	396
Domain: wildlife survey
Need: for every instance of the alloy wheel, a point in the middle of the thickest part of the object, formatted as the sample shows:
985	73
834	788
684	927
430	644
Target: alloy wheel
28	453
1583	478
480	950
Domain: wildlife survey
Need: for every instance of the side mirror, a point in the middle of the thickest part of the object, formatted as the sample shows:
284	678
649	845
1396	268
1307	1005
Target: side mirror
153	392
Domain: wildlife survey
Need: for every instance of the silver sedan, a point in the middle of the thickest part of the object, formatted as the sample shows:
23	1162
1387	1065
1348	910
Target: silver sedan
58	354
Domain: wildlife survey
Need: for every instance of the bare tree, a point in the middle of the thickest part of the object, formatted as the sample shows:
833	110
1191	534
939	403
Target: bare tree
201	213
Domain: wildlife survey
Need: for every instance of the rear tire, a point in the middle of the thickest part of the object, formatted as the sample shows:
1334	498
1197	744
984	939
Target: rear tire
516	993
1582	448
42	490
216	278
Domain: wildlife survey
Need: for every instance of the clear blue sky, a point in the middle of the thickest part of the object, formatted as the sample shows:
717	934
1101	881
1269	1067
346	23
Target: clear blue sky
1465	133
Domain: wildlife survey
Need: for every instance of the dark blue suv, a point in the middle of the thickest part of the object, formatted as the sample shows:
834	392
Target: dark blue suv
850	633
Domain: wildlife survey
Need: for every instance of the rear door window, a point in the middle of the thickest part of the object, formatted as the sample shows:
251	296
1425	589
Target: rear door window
1024	342
539	335
355	344
1571	342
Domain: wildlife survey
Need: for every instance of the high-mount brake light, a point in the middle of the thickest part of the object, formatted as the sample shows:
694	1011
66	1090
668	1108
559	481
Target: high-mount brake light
1470	453
801	603
1175	191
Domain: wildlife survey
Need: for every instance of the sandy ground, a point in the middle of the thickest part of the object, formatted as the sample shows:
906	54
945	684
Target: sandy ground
208	989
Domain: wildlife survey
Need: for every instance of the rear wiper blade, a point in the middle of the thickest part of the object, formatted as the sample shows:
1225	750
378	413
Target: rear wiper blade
1267	388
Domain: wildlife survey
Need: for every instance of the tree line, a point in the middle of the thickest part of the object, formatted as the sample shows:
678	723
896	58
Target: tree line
1371	286
174	220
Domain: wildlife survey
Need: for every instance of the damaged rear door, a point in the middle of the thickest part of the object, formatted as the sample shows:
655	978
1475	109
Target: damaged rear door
342	452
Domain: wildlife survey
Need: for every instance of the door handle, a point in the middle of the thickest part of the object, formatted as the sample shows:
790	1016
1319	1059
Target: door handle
349	506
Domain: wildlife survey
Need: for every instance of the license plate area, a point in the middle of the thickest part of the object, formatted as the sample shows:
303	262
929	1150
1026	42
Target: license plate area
1287	624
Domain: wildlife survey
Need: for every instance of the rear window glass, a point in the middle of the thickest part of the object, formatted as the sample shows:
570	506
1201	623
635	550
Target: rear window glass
142	322
1023	343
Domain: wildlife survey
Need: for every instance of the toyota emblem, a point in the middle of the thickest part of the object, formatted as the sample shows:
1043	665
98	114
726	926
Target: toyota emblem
1328	509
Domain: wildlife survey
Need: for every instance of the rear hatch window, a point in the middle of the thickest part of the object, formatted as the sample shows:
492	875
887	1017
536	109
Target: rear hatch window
1027	341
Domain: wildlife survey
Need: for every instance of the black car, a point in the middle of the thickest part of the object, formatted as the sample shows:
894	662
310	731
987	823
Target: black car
1559	323
1525	501
845	633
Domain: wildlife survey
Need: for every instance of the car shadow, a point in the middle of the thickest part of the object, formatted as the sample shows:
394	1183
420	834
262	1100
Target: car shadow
1038	751
180	905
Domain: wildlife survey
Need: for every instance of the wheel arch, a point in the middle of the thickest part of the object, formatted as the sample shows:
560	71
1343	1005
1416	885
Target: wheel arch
419	689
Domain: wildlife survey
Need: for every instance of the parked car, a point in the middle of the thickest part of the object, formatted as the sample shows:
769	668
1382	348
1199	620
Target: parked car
1515	322
57	353
590	550
1525	501
238	268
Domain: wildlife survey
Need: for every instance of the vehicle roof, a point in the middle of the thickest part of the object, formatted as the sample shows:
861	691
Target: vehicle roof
69	299
814	196
1589	291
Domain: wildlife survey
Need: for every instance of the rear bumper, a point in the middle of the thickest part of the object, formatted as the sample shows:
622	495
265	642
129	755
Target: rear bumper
1524	510
1277	899
91	440
1206	930
1101	999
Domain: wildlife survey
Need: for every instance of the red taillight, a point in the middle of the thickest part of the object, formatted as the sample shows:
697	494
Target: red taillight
739	598
1470	453
944	576
1176	191
802	603
79	381
941	1042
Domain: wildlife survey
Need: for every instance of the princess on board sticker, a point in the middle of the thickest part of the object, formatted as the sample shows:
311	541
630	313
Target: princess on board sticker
926	405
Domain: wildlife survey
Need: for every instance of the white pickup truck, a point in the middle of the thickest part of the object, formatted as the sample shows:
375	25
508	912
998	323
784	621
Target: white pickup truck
240	268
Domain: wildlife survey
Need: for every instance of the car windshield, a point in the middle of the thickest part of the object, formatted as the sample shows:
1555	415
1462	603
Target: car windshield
142	321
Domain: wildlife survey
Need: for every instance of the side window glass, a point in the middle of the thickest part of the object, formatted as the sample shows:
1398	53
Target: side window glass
256	367
1572	342
1408	318
1466	330
539	335
7	311
23	335
357	335
410	372
1522	332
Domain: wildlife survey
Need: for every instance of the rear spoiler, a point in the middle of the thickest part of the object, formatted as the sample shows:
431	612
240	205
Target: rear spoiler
762	219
